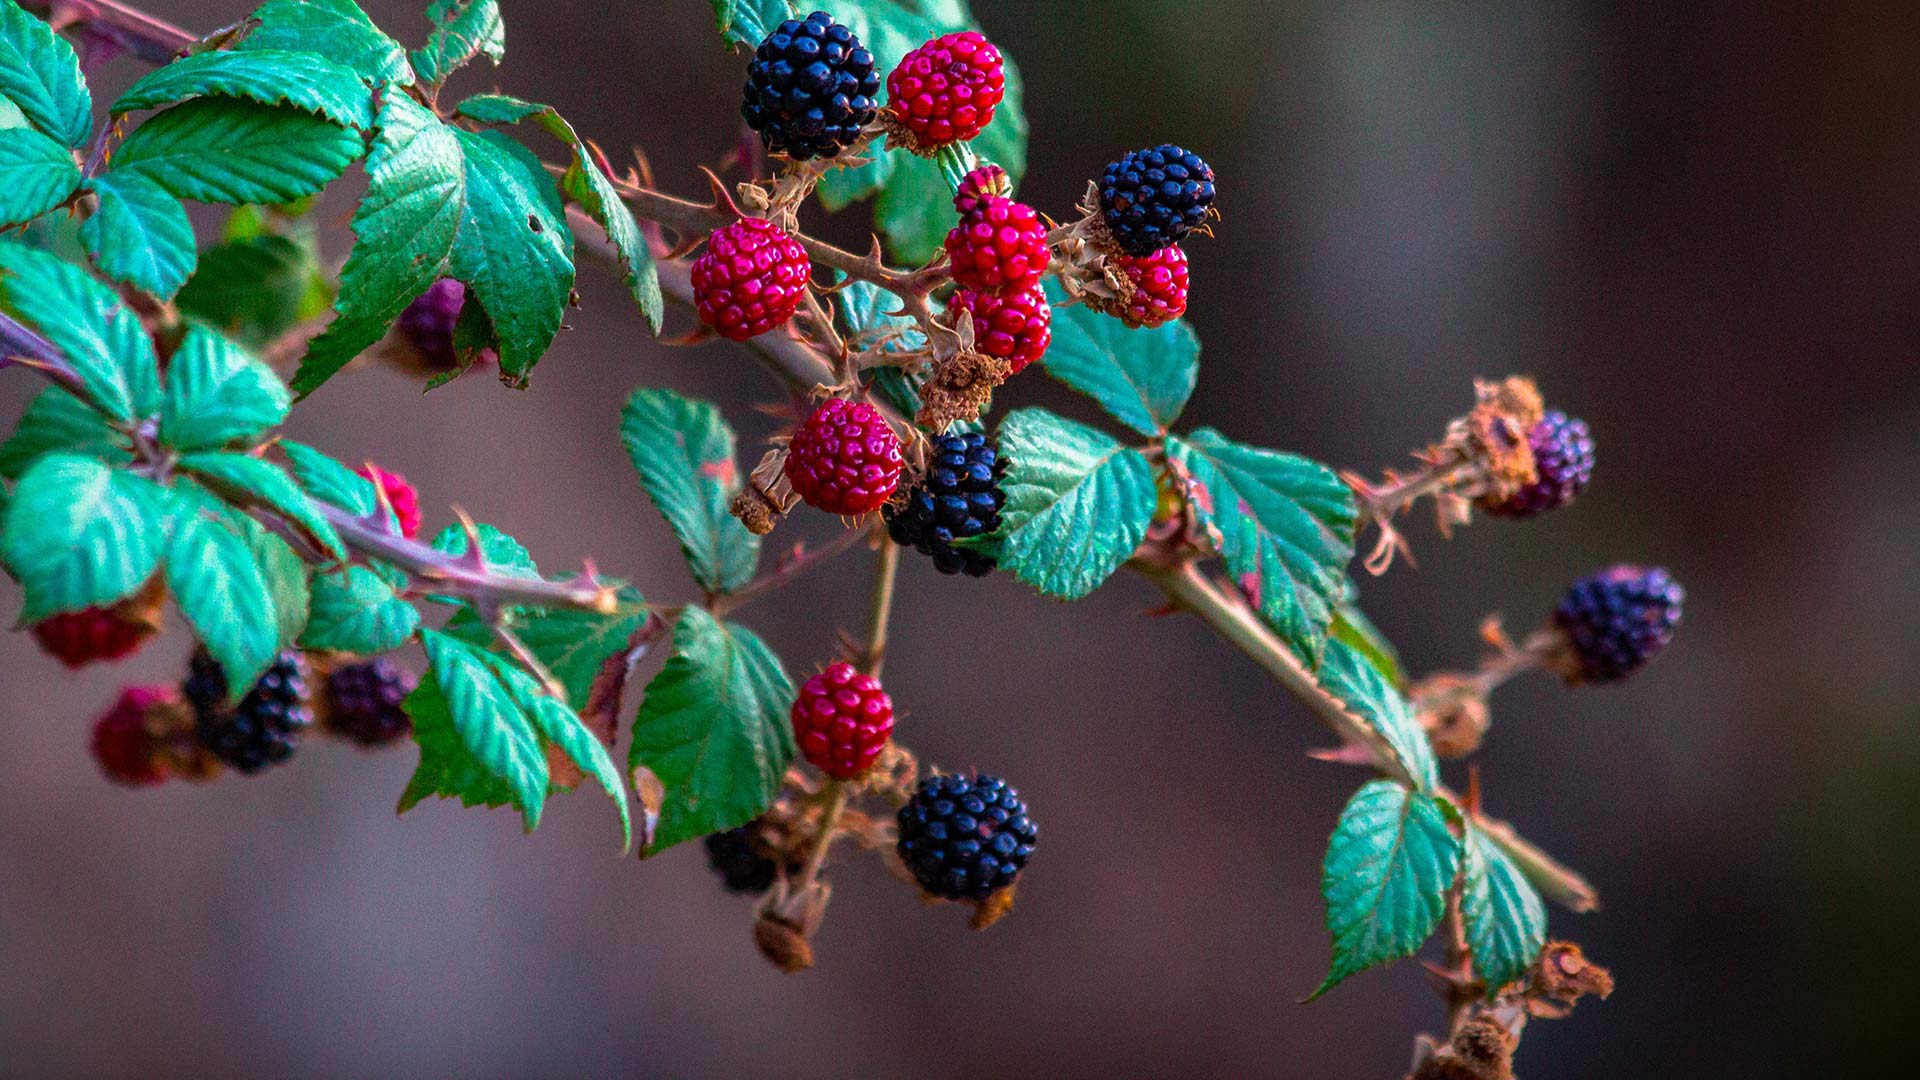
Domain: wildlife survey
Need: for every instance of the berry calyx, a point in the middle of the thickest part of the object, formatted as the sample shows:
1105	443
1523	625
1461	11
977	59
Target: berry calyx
1151	199
965	837
1016	328
1000	246
810	89
945	90
1563	461
79	638
124	743
960	497
362	702
1615	621
751	279
400	495
1159	288
841	721
845	459
264	728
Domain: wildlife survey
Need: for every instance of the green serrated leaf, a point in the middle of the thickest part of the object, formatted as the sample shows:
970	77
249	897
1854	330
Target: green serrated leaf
36	175
268	76
748	22
254	289
404	232
328	480
1283	522
286	575
1352	628
217	393
335	30
1078	503
56	420
80	534
40	74
218	585
1348	676
356	611
98	335
503	554
1388	868
476	743
713	729
561	727
1506	919
222	150
574	645
265	483
463	29
139	234
684	450
1141	377
513	250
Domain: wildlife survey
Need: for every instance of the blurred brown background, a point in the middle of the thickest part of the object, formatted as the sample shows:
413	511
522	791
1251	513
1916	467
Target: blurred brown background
1697	224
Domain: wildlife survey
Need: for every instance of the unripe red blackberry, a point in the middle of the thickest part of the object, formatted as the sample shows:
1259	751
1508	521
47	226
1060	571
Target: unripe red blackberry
965	837
1151	199
264	729
959	498
1000	246
841	720
1563	459
124	745
1615	621
751	278
845	459
1016	328
945	90
810	88
363	702
1159	288
79	638
400	495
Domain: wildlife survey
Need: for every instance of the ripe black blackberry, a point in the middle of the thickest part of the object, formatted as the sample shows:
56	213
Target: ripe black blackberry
1563	456
1151	199
742	860
363	702
810	88
965	837
264	729
959	497
1616	620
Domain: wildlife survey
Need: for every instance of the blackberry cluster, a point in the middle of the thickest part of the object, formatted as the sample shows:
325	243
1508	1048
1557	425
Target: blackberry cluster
741	860
363	702
1617	619
264	729
959	498
1152	199
965	837
810	88
1563	456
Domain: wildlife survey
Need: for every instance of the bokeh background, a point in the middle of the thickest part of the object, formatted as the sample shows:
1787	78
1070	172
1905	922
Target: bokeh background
1696	223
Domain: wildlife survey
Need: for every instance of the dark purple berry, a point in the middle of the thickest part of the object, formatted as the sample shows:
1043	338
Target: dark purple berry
1152	199
960	497
810	89
1563	459
363	702
743	862
965	837
264	729
1616	620
427	324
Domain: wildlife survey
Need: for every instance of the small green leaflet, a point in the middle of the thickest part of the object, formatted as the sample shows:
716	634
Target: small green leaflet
747	22
560	728
1142	377
257	481
1506	919
36	175
1351	627
356	611
476	743
268	76
684	450
56	420
1388	868
98	335
514	249
463	29
574	645
81	534
1347	675
223	150
286	576
40	74
503	554
216	393
218	585
1078	503
1282	521
335	30
139	234
328	480
713	729
256	288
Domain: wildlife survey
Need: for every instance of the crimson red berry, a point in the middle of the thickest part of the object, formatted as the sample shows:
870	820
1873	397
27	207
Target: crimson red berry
841	721
124	746
750	279
1159	284
1015	328
78	638
945	90
400	495
845	459
1000	246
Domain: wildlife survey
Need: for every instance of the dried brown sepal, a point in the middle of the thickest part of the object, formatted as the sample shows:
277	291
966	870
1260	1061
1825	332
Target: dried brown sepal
1560	978
786	920
1497	431
1453	709
782	943
171	726
901	137
146	608
1481	1050
959	388
1084	255
998	905
767	495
